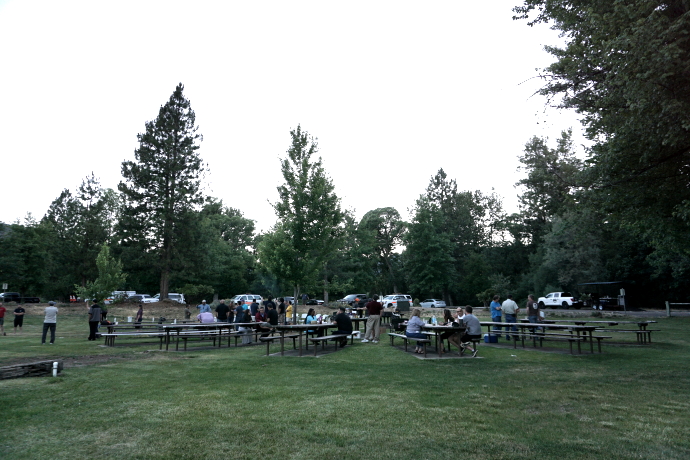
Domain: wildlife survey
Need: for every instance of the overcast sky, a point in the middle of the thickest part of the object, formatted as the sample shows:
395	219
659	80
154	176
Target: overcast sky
393	90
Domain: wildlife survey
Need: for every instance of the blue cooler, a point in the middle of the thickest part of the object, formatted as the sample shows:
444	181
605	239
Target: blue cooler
493	338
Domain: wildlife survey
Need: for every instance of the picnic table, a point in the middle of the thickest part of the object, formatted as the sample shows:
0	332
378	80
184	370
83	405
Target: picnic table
218	326
582	333
301	330
438	330
644	335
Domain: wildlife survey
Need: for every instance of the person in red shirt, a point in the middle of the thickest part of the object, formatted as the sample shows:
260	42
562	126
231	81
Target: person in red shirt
2	319
261	318
374	322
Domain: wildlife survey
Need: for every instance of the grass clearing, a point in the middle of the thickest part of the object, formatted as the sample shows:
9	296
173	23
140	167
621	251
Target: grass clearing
366	401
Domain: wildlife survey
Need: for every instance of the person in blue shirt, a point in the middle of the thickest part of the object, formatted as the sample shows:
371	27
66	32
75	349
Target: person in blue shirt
496	313
204	307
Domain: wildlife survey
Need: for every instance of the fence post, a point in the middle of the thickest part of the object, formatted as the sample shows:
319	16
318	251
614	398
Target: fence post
668	309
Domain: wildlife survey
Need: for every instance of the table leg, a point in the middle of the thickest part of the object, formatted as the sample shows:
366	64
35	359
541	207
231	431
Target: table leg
591	344
300	341
282	342
167	339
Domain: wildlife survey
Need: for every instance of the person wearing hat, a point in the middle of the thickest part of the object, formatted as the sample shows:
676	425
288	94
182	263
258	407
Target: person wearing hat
204	307
49	322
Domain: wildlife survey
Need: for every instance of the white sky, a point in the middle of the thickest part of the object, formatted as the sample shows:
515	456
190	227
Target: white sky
393	90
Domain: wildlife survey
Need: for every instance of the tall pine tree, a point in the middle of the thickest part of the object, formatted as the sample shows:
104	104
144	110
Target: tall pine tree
162	188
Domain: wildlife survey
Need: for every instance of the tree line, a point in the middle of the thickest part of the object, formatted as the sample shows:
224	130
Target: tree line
620	214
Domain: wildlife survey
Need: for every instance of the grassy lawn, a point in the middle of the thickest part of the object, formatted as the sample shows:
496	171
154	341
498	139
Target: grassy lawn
367	401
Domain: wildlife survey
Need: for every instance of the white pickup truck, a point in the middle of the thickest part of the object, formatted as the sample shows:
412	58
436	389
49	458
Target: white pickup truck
559	300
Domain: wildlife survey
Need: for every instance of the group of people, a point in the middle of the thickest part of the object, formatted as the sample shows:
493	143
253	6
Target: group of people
473	329
508	310
19	313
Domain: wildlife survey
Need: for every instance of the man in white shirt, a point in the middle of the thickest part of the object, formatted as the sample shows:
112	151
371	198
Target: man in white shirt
510	310
49	322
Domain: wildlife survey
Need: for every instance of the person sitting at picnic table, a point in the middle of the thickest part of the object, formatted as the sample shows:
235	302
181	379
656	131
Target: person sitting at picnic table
473	331
205	317
272	315
246	317
414	329
344	326
448	320
261	318
311	319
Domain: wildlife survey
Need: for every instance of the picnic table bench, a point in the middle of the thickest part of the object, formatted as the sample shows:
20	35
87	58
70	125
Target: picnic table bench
405	338
323	339
111	336
269	339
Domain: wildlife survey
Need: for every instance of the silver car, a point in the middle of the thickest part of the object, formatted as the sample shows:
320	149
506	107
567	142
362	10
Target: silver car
433	303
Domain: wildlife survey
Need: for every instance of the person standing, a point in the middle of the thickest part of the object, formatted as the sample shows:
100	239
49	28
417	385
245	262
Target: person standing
204	307
281	311
139	317
254	307
510	309
19	318
288	313
94	319
49	322
187	312
496	313
222	311
344	326
2	319
532	309
231	312
373	327
305	297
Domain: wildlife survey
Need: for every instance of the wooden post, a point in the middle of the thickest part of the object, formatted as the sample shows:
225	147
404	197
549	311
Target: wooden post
668	309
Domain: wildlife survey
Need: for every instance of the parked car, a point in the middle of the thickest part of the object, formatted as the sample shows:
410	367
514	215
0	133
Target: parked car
247	298
16	297
288	298
393	299
314	302
350	299
142	298
559	299
179	298
433	303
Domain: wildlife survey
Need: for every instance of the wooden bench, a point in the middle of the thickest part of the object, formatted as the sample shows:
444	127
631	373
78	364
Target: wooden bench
111	336
643	335
268	340
541	336
405	338
337	338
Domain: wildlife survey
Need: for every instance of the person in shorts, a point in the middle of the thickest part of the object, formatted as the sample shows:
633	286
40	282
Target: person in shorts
19	318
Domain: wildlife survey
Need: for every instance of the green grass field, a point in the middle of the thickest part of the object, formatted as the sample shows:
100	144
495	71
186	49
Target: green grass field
364	402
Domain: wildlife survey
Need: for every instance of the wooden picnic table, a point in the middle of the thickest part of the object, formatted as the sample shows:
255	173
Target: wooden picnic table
580	331
438	329
644	335
301	330
203	326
